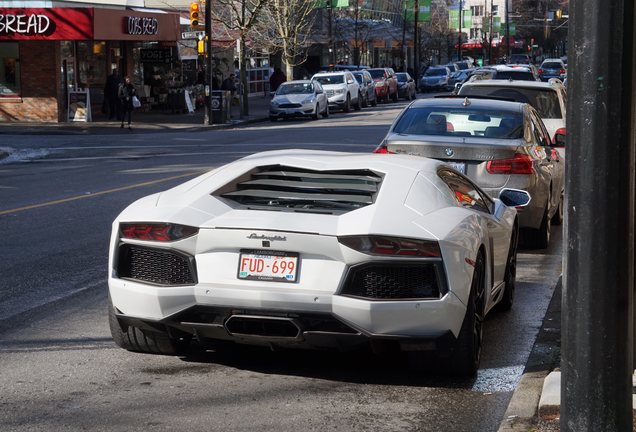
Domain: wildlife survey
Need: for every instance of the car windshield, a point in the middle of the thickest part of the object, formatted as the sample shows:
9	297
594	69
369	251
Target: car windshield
514	75
295	88
545	101
330	79
488	123
462	65
376	73
551	65
401	77
359	77
435	72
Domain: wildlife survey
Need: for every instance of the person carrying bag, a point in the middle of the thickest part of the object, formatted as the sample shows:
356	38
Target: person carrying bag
127	98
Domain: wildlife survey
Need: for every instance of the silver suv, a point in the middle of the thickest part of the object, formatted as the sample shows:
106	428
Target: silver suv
341	88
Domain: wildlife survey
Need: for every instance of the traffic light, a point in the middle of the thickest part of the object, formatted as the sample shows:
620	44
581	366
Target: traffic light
194	14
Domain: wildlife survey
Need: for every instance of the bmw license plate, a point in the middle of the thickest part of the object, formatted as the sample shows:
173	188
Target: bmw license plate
267	265
458	166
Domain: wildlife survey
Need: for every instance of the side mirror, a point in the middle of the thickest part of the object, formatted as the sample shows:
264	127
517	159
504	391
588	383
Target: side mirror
559	138
272	94
514	197
349	81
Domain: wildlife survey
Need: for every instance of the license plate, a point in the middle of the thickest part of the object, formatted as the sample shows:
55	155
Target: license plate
458	166
266	265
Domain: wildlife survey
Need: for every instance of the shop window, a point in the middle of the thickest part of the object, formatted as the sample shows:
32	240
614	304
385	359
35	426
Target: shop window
92	59
9	70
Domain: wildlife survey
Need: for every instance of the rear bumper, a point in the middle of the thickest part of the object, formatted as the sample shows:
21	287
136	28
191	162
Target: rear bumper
322	320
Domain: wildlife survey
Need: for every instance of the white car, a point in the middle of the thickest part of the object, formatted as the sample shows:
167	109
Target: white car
548	98
341	88
314	249
302	98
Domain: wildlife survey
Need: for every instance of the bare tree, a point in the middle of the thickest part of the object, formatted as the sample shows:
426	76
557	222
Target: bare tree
238	18
289	23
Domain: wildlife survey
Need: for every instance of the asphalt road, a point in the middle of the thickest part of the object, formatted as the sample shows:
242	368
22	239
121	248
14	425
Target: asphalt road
61	371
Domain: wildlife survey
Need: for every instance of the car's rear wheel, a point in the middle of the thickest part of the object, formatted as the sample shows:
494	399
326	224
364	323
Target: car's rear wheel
466	354
357	106
325	113
347	105
316	114
144	341
558	217
511	273
540	238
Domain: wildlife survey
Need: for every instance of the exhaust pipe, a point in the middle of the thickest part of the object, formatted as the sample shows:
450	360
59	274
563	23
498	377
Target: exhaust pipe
266	327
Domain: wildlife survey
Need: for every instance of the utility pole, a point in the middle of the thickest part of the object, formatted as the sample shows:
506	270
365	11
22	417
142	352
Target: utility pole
459	37
598	281
416	44
404	56
332	46
208	63
356	48
507	31
490	36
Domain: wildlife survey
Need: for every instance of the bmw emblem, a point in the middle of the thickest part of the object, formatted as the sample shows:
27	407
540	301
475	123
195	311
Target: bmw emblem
449	152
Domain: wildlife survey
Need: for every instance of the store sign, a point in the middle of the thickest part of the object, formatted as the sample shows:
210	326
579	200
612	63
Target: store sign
47	24
137	25
156	55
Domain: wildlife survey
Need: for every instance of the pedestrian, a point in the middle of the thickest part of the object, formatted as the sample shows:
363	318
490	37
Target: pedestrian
126	94
111	97
229	84
277	78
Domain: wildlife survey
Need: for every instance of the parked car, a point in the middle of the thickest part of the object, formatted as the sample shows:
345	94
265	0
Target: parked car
548	98
514	72
406	86
552	68
367	88
520	58
312	249
496	143
385	84
301	98
341	88
435	78
458	78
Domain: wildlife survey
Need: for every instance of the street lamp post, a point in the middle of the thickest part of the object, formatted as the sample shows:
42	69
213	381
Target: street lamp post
459	36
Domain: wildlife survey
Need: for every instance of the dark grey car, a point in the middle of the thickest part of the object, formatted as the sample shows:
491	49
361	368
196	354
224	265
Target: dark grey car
498	144
367	88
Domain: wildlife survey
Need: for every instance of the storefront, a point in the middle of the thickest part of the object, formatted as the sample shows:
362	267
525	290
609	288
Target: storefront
47	53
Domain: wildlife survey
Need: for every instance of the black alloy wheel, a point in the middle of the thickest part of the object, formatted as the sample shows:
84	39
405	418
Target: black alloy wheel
510	276
347	105
559	215
466	355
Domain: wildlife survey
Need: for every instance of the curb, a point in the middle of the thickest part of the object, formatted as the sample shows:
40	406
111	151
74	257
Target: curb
523	410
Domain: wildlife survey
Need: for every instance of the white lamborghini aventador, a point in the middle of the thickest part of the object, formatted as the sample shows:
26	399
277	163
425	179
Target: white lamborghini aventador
315	249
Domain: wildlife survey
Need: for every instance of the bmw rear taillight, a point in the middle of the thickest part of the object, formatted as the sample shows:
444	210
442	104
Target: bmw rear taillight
392	246
520	164
159	232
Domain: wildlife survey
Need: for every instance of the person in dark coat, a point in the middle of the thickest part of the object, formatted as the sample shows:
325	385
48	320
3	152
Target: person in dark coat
111	97
229	83
126	93
277	78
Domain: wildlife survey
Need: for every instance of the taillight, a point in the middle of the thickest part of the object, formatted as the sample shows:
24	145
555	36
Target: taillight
382	149
159	232
540	70
562	71
396	246
520	164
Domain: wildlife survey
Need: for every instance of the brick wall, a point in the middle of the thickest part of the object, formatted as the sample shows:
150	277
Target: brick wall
39	78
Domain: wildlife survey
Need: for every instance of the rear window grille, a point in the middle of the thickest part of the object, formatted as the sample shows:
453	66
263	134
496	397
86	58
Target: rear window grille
393	281
156	266
295	189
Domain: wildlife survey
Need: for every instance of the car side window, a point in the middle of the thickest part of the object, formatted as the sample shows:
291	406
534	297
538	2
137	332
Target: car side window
540	130
465	193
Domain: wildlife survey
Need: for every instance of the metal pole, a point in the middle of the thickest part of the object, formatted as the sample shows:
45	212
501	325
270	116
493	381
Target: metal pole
597	321
356	49
208	62
416	44
332	46
459	31
507	31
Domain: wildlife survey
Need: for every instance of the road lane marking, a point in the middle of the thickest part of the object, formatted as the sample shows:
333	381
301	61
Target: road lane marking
95	194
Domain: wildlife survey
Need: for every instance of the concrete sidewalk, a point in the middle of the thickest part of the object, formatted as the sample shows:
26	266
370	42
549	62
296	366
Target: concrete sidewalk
142	122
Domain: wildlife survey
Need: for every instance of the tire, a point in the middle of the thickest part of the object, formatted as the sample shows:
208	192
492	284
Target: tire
395	97
365	101
540	239
347	105
325	113
464	360
507	299
375	102
557	218
316	114
144	341
357	106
